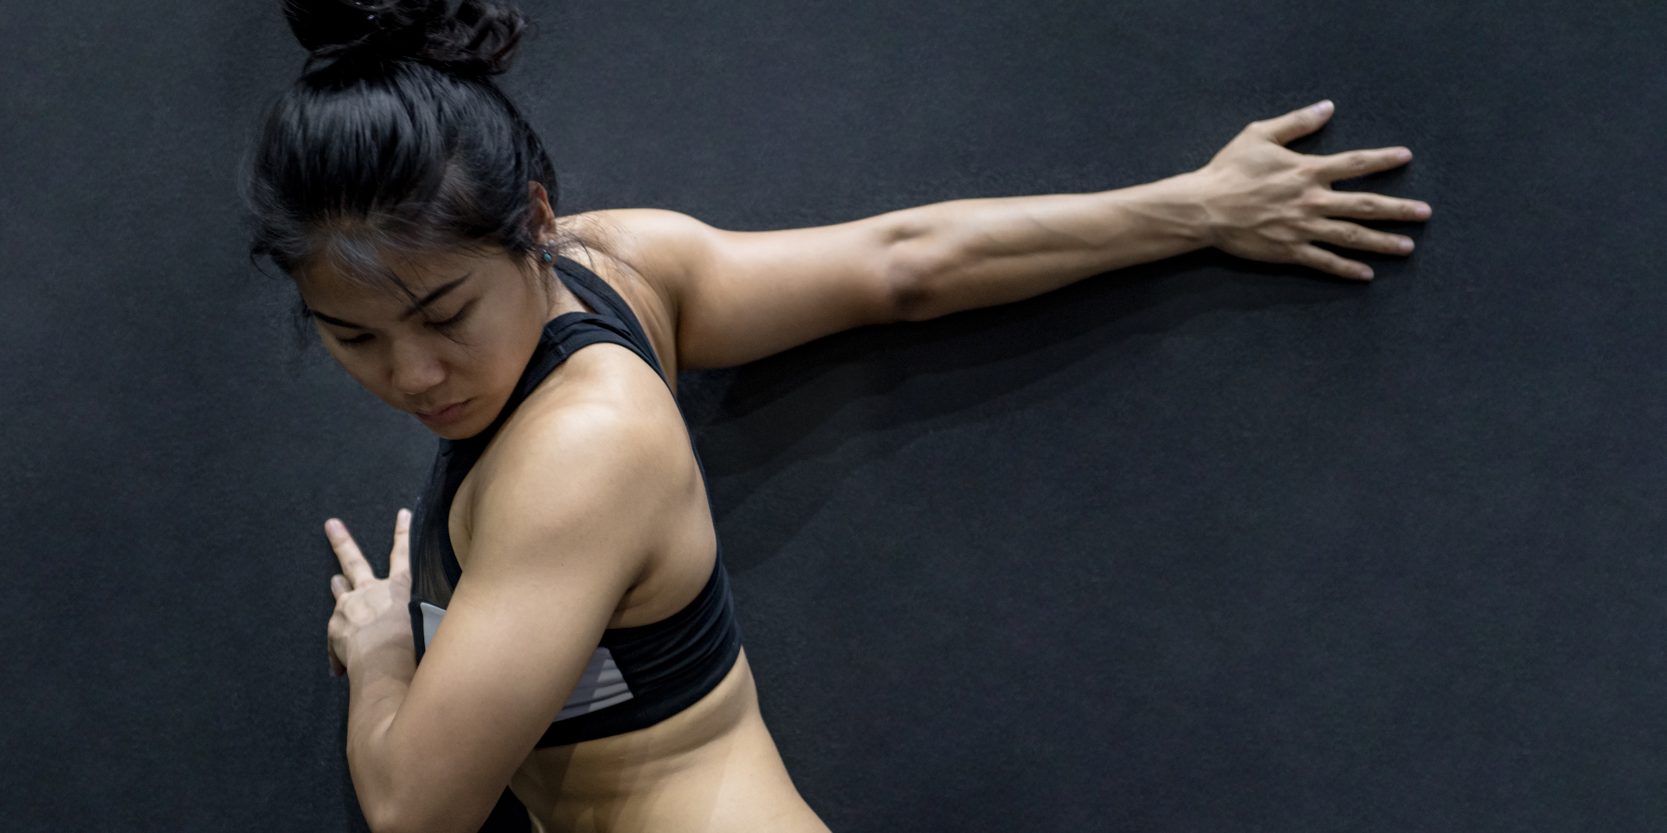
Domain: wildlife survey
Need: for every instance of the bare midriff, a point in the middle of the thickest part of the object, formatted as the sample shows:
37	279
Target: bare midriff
711	768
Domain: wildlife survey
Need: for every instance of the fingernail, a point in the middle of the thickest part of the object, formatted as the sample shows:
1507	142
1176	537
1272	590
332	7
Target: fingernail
1323	107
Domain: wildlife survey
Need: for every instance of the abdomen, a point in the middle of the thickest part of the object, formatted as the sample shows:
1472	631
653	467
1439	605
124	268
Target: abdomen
711	768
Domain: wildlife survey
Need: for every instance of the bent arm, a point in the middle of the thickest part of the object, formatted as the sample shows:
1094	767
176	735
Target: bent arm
557	540
377	687
972	253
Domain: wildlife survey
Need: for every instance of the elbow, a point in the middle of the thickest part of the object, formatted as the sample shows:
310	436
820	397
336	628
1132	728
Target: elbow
383	820
387	817
394	824
913	264
437	815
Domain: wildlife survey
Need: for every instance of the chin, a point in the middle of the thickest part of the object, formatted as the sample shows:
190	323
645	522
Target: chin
456	431
467	425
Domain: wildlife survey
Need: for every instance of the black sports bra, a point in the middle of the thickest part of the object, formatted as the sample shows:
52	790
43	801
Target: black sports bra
638	675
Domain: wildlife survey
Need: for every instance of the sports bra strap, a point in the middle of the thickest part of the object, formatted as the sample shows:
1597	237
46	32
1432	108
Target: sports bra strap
599	296
435	568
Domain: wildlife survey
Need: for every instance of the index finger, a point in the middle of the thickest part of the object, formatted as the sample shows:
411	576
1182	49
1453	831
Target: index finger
354	565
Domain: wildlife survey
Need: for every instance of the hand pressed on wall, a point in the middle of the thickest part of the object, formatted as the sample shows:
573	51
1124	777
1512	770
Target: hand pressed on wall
1272	204
371	614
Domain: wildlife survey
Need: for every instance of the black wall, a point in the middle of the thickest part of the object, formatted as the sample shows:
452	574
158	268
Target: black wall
1197	545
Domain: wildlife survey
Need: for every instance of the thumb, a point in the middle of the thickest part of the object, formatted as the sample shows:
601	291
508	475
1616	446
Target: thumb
1297	123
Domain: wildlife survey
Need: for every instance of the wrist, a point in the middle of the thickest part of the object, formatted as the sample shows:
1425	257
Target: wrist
1187	198
1172	213
382	659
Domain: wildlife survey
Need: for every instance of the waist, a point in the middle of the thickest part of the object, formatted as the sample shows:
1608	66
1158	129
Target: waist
643	675
623	770
712	768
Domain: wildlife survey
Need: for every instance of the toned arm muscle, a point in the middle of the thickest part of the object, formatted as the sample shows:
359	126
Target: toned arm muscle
737	296
558	538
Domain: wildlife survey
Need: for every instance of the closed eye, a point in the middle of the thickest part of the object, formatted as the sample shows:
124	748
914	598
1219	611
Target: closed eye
447	324
452	321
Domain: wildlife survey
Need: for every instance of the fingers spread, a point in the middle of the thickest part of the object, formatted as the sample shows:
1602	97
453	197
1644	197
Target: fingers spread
353	562
1297	123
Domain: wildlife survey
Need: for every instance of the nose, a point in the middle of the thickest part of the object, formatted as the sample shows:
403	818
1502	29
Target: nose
416	369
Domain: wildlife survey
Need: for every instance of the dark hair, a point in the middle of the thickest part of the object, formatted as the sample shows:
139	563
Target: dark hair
394	139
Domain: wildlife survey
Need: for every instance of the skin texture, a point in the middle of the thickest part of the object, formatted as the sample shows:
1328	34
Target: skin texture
711	767
1271	204
718	298
416	364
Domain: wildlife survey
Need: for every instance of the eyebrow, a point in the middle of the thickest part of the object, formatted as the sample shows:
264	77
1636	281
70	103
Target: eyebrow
425	301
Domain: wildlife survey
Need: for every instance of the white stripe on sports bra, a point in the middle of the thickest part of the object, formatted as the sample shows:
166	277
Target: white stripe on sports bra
601	685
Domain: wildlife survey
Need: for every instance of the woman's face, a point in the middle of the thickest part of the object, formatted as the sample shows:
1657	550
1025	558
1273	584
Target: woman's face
462	338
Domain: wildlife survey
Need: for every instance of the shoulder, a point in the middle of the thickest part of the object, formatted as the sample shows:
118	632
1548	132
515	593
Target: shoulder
657	244
603	415
591	471
730	297
641	254
598	439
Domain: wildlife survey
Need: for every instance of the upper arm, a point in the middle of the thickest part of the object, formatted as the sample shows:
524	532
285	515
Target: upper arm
737	296
557	541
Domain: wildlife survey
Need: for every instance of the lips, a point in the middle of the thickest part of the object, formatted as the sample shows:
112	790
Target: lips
436	412
444	415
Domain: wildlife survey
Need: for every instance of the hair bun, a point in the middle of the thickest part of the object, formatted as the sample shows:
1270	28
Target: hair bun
480	37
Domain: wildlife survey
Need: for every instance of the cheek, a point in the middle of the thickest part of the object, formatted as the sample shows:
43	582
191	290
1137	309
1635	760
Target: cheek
500	345
501	361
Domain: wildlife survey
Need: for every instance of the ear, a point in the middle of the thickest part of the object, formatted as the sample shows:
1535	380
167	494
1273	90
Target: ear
542	221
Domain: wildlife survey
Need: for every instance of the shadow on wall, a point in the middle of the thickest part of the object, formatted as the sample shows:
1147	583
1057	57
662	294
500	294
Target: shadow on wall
883	387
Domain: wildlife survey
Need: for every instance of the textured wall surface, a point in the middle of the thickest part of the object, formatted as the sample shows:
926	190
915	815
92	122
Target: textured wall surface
1198	545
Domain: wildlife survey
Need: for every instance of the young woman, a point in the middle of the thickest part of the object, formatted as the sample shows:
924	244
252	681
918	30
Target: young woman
590	658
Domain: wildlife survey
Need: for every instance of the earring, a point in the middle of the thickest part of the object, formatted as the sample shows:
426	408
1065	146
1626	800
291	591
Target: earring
544	255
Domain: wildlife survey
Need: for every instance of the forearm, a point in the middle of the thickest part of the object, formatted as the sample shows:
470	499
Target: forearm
972	253
377	686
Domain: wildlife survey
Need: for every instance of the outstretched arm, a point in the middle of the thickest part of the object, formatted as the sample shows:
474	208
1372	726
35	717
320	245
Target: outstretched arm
983	252
1255	199
739	296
